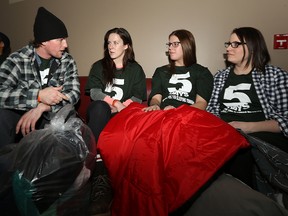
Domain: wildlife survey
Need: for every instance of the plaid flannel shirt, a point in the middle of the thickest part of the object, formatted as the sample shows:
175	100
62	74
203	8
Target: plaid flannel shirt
20	82
271	88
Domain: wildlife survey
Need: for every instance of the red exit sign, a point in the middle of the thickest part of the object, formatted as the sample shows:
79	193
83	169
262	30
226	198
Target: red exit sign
281	41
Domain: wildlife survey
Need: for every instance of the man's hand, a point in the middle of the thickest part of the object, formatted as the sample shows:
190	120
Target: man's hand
52	95
27	122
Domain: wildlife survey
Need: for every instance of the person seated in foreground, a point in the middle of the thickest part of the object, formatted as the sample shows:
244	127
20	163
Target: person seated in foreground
182	81
114	82
37	80
251	95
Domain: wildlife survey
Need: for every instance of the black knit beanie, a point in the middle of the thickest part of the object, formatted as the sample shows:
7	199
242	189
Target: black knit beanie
47	26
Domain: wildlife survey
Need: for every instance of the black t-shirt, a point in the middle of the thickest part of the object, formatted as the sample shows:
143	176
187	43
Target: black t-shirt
183	86
239	100
44	68
126	84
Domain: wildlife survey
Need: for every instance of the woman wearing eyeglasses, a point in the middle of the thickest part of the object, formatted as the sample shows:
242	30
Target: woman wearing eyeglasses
159	160
182	81
251	95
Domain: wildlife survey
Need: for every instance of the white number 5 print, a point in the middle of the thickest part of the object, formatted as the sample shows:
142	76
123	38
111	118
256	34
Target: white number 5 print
118	91
180	78
231	93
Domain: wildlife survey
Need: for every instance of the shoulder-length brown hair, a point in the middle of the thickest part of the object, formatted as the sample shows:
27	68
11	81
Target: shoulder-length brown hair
188	44
108	63
258	55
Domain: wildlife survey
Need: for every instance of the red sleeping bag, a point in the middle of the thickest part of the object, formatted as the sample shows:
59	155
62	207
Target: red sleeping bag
158	160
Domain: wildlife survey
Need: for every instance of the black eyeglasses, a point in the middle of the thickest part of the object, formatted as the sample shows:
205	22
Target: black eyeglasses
174	44
233	44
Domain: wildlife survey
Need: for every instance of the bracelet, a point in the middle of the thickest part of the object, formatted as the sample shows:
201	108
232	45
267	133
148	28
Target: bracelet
114	101
39	99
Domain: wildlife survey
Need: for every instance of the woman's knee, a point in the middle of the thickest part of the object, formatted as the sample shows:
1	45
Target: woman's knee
98	108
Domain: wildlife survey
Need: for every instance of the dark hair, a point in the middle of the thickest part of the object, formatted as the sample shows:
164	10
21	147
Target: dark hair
258	55
7	49
188	44
108	63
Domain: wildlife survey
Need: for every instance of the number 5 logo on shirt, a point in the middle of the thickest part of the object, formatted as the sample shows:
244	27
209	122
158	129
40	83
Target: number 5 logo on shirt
114	88
180	78
243	99
230	93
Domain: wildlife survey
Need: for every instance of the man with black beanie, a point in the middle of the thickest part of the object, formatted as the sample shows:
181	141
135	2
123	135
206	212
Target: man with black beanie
37	80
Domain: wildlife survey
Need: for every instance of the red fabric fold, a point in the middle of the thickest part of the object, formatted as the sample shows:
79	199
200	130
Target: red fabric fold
158	160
